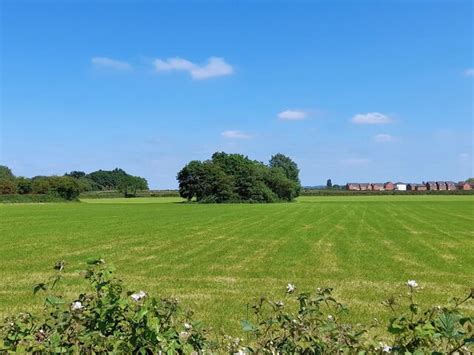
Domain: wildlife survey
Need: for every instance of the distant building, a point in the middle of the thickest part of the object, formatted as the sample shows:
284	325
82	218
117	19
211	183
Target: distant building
389	186
377	187
400	186
352	186
450	185
417	187
441	185
431	185
365	186
463	185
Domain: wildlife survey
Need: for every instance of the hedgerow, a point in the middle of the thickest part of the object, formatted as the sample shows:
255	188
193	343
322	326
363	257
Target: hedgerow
109	318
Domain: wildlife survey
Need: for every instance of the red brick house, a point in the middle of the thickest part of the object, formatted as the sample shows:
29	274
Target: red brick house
441	185
389	186
377	187
462	185
450	185
431	185
365	186
352	186
416	187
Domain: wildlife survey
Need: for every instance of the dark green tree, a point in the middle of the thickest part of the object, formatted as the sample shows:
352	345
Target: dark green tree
24	185
6	173
329	184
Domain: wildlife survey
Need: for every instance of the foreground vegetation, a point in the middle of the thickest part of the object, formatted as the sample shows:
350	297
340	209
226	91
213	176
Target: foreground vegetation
218	258
110	319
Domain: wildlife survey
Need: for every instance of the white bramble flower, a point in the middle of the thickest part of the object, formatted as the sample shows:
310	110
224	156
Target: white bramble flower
386	349
76	306
290	288
330	317
188	326
184	336
240	352
412	284
138	296
279	304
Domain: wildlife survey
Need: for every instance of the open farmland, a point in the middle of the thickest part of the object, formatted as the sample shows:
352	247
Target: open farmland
216	258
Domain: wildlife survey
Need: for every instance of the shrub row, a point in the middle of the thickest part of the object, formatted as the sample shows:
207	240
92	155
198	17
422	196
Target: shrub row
329	192
110	319
31	198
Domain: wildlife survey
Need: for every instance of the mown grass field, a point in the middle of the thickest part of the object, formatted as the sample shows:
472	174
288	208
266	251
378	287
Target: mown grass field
217	258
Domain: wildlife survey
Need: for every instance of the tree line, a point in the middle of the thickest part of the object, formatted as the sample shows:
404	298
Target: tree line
236	178
70	185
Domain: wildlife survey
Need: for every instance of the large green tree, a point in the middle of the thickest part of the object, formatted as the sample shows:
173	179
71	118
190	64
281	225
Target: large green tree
234	177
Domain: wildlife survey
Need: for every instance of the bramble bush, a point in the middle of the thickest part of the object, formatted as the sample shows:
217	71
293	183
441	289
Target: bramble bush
111	319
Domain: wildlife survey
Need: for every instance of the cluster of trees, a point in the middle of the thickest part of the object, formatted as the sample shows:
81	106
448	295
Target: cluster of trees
107	180
234	177
71	184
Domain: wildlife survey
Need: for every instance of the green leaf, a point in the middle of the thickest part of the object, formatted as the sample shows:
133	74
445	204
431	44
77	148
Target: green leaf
53	300
39	287
247	326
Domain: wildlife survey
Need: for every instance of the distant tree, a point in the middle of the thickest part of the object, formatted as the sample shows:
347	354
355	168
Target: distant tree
24	185
112	180
40	185
6	173
7	187
65	186
329	184
76	174
470	180
129	185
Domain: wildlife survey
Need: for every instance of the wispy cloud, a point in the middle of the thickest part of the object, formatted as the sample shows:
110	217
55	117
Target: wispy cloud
235	135
469	72
105	62
214	67
383	138
371	118
356	161
293	115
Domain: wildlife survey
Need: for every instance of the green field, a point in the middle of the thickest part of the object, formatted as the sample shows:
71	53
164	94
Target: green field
217	258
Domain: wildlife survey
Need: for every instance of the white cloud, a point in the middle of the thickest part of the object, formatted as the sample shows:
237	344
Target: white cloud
383	137
371	118
110	63
293	115
469	72
356	161
214	67
235	135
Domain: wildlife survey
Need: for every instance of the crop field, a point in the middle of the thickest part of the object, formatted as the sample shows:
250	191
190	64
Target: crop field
218	258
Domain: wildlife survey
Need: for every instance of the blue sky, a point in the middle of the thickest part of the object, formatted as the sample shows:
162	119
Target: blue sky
352	91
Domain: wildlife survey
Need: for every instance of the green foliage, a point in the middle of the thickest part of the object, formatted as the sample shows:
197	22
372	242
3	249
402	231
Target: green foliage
30	198
234	178
108	318
6	173
129	185
7	187
337	190
66	187
24	185
289	167
116	179
329	184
